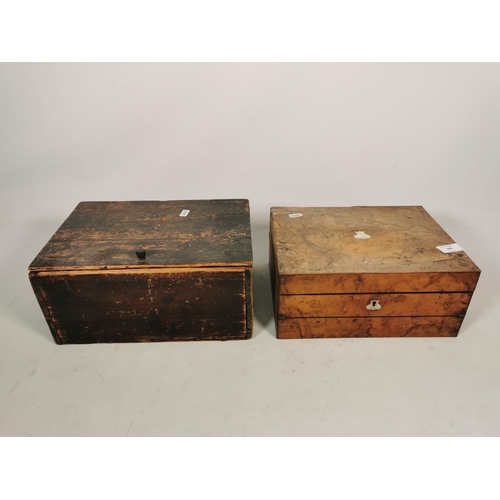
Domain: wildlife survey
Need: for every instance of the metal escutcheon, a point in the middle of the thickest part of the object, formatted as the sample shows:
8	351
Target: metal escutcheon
374	305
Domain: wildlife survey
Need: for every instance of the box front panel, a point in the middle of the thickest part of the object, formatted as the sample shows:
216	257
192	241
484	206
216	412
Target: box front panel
144	306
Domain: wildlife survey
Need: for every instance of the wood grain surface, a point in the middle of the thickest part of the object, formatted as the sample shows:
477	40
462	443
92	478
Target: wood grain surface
328	264
378	282
107	235
146	305
410	304
303	328
402	240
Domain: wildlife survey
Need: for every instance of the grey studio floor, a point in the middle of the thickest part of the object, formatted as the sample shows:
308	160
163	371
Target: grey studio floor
279	135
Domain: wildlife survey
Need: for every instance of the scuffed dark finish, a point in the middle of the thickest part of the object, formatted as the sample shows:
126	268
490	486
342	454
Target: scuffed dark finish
145	306
100	235
138	272
249	301
324	275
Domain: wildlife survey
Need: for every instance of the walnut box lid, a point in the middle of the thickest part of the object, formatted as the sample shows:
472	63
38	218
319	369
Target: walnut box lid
365	249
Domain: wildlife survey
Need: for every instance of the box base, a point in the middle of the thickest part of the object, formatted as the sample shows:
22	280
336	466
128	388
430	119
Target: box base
432	326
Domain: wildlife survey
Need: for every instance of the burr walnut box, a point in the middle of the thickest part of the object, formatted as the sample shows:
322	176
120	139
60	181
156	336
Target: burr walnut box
366	272
145	271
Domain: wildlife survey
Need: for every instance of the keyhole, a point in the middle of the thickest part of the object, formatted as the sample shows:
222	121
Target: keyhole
373	305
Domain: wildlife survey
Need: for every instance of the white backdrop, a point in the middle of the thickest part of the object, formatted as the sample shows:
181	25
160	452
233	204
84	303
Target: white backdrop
279	135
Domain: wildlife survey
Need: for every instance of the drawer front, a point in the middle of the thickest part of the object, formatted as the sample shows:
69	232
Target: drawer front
145	306
304	328
391	304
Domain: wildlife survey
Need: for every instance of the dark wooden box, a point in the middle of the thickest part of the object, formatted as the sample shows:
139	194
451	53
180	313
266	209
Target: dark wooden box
143	271
366	272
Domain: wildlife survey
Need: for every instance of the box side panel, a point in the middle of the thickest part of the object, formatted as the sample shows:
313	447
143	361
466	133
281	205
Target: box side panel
146	306
377	283
36	283
275	279
303	328
249	301
411	304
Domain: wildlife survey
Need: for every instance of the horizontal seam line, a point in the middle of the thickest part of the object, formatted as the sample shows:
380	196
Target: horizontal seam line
353	317
374	293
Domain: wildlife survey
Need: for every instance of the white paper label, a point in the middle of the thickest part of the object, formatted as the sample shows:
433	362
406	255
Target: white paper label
292	216
184	213
453	247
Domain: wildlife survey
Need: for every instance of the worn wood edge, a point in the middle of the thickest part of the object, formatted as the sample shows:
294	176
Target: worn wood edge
42	302
160	270
275	281
249	282
144	266
239	334
153	340
423	326
275	209
249	310
274	274
244	200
